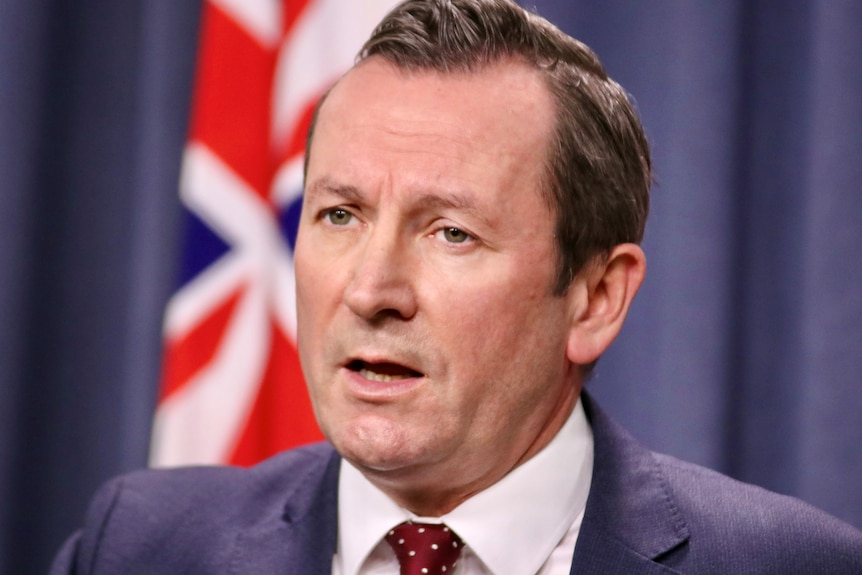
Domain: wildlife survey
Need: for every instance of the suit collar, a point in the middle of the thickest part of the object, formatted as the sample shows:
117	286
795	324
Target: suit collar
631	518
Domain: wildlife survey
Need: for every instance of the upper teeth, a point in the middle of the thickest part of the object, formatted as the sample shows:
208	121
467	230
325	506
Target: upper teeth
381	377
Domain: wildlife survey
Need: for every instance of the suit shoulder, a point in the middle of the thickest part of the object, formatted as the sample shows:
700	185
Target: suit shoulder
223	490
758	526
203	484
165	513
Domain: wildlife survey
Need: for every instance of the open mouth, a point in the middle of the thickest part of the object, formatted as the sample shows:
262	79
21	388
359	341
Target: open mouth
382	372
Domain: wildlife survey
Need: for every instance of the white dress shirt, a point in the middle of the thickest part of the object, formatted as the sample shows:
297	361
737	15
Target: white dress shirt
525	524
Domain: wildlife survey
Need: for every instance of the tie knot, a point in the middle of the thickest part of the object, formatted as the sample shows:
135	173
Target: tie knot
424	548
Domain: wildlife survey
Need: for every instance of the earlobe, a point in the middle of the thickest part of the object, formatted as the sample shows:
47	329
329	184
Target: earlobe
600	297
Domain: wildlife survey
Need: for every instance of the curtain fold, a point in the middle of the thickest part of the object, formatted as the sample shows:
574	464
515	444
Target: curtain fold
94	98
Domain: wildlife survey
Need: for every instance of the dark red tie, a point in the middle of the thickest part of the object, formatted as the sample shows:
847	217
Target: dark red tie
425	548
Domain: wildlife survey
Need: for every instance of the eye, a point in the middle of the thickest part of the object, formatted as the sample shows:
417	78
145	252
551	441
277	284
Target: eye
455	235
338	217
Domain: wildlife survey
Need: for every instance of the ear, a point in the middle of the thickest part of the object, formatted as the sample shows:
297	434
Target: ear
599	299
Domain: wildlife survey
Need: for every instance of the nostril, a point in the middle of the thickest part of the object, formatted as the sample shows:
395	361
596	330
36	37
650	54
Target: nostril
380	291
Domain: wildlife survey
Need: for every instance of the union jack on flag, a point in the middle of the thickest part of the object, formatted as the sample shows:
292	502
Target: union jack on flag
232	390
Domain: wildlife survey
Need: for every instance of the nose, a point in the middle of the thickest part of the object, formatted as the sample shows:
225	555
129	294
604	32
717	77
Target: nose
381	286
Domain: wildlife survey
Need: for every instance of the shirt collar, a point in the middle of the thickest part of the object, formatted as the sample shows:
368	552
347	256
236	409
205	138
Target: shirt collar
534	505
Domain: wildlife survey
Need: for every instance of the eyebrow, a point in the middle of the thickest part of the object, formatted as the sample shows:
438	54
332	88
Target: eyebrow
327	186
426	201
451	200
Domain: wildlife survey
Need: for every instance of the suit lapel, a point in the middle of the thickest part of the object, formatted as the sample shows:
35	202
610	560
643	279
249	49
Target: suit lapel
631	518
299	537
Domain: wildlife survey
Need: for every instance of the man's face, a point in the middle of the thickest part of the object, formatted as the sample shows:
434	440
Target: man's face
433	348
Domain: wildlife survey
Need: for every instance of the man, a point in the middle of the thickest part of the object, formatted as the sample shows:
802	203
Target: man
475	191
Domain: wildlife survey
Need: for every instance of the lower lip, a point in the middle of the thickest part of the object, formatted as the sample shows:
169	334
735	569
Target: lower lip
370	390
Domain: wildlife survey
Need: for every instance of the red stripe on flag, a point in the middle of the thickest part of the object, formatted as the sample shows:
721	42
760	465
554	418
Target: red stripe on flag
185	357
233	90
282	416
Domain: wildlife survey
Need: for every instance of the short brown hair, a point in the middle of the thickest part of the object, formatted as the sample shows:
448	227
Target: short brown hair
598	171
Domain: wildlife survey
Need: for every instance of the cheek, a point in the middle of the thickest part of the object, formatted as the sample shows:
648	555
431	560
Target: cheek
303	274
506	328
305	310
316	287
313	297
484	328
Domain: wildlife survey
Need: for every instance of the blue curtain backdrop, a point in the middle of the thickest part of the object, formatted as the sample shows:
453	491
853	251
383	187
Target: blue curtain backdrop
743	351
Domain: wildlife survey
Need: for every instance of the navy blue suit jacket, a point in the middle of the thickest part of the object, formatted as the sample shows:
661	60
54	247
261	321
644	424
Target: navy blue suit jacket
647	514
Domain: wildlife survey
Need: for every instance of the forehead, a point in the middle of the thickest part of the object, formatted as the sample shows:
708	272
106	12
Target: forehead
496	117
509	85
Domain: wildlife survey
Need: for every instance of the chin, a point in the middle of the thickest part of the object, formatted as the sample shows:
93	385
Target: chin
376	443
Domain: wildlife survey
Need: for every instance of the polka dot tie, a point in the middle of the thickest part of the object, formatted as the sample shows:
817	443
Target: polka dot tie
424	548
